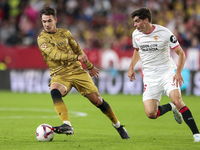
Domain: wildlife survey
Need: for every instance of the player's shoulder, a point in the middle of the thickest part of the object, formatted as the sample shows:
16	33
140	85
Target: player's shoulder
62	30
161	28
66	32
42	34
166	34
135	32
43	37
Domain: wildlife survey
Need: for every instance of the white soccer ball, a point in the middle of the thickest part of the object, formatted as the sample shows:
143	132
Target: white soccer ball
44	133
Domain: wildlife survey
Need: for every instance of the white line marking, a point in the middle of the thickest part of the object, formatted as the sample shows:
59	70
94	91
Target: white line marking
71	113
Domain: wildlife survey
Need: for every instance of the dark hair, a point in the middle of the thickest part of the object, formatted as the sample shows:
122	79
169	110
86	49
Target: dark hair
48	11
142	13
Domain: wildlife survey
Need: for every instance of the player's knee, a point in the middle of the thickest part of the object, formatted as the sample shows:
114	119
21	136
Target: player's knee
178	102
104	106
95	99
151	115
56	95
98	103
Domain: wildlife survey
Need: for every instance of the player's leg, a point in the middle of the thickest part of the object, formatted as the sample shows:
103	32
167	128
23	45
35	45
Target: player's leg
86	87
151	100
57	91
168	86
151	108
96	99
154	111
176	98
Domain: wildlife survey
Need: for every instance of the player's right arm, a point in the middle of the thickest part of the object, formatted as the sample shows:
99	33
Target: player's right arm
52	51
134	60
78	51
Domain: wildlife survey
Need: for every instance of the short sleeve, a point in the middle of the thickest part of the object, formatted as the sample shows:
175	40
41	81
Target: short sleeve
171	39
133	41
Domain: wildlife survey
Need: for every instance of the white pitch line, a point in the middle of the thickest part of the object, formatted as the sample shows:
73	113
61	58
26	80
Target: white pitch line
22	117
71	113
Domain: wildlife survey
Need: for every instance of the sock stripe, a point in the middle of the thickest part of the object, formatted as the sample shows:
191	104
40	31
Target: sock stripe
158	114
182	110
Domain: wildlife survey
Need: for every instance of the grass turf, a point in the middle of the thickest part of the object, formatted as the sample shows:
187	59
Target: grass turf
21	113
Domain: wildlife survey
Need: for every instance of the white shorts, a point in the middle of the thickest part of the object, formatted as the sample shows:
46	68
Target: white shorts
155	86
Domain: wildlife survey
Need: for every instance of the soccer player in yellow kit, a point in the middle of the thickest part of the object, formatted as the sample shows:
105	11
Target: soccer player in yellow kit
62	55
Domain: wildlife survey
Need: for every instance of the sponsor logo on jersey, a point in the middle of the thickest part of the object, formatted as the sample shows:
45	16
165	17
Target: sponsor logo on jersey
43	46
173	39
63	43
62	35
151	47
155	37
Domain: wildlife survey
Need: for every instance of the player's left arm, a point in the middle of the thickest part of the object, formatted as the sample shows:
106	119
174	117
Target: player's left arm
78	51
181	61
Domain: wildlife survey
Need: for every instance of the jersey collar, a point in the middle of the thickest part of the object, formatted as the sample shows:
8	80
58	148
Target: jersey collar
151	30
50	32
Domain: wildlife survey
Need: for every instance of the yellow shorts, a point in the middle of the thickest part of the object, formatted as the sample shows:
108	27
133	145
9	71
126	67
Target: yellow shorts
80	80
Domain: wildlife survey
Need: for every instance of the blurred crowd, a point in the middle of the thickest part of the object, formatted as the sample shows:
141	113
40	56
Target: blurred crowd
98	24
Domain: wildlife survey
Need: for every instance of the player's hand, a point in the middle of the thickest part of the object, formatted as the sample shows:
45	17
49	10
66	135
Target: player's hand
131	74
83	58
94	72
178	79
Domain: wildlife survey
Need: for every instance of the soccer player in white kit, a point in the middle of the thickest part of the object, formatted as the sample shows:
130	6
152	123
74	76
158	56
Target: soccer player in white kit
152	44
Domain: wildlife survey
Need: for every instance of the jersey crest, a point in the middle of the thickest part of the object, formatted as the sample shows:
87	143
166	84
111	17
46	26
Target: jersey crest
43	46
155	37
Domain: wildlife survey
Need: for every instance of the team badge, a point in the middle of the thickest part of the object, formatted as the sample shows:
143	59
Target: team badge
173	39
155	37
43	46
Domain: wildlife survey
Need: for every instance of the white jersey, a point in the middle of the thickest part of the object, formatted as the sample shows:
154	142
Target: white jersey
154	50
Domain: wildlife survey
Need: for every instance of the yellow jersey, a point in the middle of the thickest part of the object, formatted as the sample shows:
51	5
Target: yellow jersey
60	51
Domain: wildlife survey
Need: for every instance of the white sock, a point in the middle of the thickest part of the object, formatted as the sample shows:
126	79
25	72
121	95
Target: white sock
117	125
196	134
172	105
67	122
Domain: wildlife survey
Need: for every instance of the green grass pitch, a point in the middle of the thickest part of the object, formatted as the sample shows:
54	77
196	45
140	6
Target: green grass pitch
21	113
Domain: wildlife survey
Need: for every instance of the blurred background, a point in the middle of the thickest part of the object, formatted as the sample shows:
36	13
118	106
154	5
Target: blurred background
103	29
98	24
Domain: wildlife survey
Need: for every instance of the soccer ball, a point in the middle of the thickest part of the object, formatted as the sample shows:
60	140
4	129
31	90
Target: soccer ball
44	133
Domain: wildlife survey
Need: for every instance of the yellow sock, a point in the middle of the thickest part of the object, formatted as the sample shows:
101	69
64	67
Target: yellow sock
111	115
107	110
61	110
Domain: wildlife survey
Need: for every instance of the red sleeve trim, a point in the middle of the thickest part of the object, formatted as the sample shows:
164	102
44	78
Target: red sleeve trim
136	48
176	46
